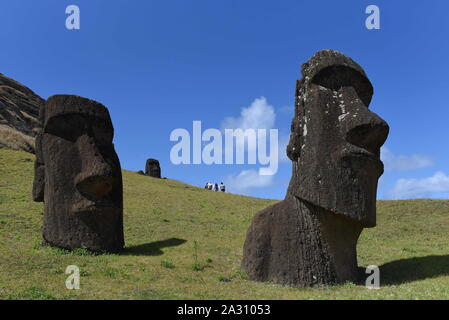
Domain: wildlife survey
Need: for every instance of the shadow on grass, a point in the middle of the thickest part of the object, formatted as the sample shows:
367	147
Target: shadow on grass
152	248
412	269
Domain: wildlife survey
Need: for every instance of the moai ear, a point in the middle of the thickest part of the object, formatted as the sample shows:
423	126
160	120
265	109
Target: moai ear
294	145
39	172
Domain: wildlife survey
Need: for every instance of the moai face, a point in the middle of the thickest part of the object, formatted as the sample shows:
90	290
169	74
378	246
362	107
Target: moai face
77	175
152	168
335	140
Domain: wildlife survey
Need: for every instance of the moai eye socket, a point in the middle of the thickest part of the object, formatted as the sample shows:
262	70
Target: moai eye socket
68	126
71	126
102	132
337	77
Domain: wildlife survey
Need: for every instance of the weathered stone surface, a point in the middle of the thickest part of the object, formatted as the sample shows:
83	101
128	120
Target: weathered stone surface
19	112
152	168
310	237
78	176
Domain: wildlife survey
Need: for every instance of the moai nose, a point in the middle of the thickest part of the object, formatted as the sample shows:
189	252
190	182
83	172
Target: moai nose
95	179
96	186
368	131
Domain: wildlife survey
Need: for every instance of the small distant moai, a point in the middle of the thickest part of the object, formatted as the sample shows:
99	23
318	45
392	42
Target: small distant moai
78	176
152	168
310	237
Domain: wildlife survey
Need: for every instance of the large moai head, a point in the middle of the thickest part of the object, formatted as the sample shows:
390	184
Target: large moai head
78	176
152	168
335	140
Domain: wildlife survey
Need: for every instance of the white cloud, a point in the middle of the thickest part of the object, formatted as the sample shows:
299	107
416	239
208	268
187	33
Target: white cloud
246	181
394	162
283	142
420	188
259	115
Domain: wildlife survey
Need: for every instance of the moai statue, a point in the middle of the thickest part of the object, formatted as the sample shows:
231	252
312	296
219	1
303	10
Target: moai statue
152	168
310	237
78	176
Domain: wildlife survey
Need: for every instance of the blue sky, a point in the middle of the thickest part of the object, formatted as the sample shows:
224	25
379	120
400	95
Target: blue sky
159	65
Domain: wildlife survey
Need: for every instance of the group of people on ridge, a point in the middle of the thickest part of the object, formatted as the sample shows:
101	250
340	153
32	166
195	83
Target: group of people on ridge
214	187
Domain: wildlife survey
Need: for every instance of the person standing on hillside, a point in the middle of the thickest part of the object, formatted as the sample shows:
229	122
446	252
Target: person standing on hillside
222	187
216	187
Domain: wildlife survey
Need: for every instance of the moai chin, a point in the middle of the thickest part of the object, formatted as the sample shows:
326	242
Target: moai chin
310	237
78	176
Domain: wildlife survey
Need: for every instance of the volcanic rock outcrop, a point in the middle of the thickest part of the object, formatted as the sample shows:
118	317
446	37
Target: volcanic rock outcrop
78	176
19	112
152	168
310	237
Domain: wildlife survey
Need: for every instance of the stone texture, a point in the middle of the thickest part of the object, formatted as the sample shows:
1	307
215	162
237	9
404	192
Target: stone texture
78	176
19	112
310	237
152	168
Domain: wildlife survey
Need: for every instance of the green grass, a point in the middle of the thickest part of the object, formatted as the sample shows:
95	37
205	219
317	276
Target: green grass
183	242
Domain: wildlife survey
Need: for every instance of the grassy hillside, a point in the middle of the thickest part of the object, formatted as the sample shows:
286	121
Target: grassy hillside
183	242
